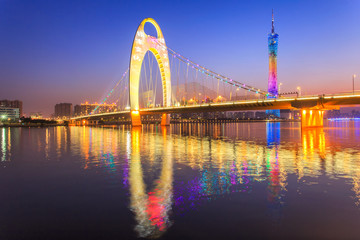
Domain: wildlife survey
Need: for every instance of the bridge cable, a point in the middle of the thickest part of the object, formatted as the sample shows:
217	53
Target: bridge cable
214	74
107	96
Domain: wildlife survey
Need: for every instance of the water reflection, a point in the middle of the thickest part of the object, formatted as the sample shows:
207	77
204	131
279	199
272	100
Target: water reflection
275	172
171	171
5	144
313	139
273	133
151	208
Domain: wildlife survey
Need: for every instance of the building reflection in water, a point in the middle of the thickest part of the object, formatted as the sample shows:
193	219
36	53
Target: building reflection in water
5	140
276	174
151	208
225	157
212	160
3	145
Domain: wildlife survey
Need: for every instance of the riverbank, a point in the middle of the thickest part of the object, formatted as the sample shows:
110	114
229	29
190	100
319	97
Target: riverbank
32	124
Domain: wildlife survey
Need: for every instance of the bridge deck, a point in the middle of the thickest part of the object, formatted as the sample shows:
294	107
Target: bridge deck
307	102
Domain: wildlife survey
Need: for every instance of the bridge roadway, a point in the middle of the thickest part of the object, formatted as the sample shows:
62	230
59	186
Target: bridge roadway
320	102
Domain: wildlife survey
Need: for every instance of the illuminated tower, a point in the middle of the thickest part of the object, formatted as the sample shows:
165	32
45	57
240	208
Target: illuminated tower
273	46
272	82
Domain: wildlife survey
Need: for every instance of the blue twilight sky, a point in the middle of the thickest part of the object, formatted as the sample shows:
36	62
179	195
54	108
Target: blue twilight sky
72	51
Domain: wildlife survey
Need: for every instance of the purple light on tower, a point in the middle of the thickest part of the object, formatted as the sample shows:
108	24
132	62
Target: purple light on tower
273	46
272	82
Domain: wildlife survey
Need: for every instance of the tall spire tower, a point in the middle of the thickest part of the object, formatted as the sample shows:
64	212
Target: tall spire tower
272	22
273	46
272	81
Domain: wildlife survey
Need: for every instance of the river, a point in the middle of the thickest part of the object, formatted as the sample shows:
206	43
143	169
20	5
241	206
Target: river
188	181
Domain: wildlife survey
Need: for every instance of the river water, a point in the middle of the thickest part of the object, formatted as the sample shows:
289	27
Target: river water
187	181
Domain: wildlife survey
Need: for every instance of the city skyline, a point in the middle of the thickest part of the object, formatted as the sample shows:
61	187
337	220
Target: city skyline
66	66
139	119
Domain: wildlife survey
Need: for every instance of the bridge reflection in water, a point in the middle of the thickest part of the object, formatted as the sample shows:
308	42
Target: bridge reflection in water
151	208
169	171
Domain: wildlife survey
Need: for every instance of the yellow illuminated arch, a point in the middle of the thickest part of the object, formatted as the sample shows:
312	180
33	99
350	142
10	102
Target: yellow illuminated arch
143	43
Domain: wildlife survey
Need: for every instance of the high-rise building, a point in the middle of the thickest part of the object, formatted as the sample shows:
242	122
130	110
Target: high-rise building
77	110
273	39
63	110
9	114
88	108
13	104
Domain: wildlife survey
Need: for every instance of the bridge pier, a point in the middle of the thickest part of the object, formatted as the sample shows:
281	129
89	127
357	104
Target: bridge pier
135	119
165	119
93	122
72	122
80	123
312	118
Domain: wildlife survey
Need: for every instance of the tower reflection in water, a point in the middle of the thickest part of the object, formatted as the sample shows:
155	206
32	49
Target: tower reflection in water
276	174
212	160
151	208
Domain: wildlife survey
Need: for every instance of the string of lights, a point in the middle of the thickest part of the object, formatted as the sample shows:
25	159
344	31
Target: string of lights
213	74
109	94
197	67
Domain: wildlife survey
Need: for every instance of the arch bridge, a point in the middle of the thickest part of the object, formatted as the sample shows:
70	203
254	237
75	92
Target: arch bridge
312	107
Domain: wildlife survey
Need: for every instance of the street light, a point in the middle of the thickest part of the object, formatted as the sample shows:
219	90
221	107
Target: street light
354	83
279	88
299	91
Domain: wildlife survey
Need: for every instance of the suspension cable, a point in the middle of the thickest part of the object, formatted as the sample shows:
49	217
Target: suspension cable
108	95
213	74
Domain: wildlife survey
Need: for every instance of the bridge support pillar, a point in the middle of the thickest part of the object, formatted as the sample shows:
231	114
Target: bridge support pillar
81	123
135	119
165	119
312	118
93	122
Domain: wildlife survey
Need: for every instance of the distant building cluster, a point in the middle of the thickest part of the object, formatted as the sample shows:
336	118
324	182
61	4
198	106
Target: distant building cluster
338	114
66	110
11	110
36	115
240	115
87	108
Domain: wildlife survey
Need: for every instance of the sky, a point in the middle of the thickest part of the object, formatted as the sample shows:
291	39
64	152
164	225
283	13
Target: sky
75	51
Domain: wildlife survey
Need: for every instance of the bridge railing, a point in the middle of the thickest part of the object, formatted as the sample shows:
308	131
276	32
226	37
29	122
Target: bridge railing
247	101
